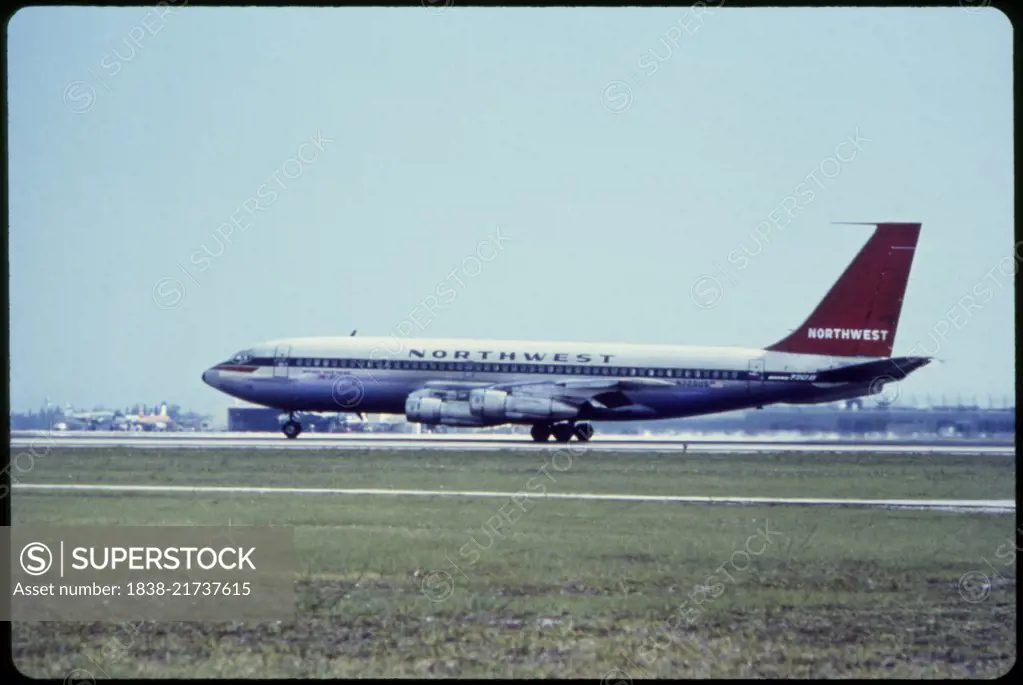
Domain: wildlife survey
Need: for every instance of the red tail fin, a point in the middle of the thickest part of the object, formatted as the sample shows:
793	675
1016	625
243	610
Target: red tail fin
860	314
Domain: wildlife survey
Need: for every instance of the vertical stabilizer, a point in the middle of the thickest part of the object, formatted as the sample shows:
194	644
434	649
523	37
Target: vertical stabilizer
860	314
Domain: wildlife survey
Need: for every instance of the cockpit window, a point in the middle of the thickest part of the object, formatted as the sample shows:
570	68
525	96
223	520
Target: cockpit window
242	357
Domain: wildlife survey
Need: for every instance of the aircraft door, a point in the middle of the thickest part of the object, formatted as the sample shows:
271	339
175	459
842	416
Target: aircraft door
756	375
281	354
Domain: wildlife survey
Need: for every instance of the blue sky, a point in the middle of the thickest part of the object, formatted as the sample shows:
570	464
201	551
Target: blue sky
625	154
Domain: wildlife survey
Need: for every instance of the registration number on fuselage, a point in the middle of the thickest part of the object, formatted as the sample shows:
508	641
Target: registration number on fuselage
695	383
803	376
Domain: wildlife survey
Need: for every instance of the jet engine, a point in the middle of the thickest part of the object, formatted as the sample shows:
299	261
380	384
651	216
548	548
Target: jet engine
501	406
438	407
483	407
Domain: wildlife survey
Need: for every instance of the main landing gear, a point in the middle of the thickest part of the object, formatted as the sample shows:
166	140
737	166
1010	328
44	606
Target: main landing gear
562	432
292	428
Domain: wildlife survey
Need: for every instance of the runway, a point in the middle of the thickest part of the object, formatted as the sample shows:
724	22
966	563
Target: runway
38	440
982	506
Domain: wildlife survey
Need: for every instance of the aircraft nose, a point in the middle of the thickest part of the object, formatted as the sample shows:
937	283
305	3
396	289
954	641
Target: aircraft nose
209	377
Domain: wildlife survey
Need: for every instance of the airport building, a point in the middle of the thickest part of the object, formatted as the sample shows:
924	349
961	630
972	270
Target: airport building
245	417
854	418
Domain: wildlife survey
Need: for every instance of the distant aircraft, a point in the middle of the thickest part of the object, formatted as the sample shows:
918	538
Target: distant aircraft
843	350
88	420
143	421
349	423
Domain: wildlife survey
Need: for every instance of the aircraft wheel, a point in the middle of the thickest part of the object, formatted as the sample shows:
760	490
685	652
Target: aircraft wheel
563	432
540	432
292	429
583	431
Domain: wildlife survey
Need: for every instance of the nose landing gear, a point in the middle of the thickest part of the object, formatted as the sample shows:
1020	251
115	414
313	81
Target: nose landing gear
291	427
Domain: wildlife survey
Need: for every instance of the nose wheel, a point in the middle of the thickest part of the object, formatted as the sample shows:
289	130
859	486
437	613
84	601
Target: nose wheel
291	428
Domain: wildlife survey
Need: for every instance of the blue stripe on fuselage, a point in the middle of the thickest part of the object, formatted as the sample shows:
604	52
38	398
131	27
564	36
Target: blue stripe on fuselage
385	392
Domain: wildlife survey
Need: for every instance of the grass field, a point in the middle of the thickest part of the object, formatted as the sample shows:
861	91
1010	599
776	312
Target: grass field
453	587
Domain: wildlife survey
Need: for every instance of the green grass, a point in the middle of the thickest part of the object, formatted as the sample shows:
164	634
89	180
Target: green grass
420	587
765	475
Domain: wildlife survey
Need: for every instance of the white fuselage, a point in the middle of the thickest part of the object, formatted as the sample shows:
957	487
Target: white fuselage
373	374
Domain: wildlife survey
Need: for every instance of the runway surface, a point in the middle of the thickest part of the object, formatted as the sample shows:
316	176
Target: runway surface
984	506
39	440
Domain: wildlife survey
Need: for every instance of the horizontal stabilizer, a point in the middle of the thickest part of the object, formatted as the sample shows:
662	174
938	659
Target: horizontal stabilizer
889	369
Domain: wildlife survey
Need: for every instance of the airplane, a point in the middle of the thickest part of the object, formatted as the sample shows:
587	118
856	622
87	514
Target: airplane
841	351
143	421
87	420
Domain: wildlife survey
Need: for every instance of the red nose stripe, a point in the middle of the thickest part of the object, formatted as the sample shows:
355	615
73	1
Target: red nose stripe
239	369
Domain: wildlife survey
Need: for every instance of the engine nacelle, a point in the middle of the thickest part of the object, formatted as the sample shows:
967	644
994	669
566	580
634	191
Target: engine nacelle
500	406
435	409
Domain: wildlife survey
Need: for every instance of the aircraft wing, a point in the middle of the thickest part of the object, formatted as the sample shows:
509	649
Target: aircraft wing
601	393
